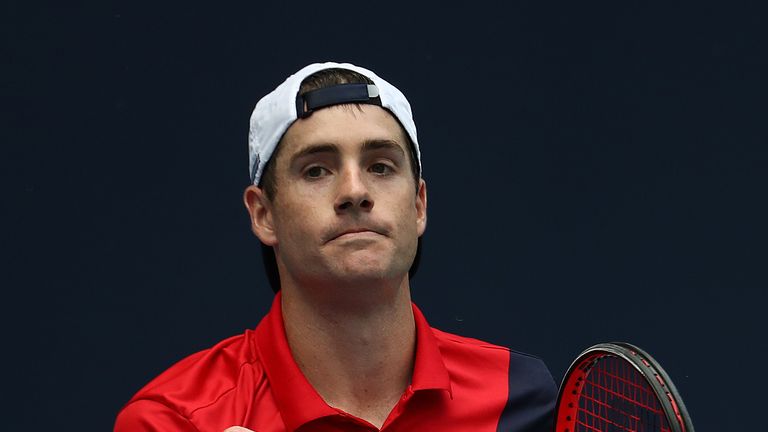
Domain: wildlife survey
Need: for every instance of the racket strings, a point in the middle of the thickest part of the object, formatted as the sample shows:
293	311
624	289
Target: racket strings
615	397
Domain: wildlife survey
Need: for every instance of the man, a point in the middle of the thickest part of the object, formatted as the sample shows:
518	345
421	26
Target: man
339	204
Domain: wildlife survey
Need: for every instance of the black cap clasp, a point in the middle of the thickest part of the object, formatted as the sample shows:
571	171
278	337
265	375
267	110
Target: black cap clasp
336	95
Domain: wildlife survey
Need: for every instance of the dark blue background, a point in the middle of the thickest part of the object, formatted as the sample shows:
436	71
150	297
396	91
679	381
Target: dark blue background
596	172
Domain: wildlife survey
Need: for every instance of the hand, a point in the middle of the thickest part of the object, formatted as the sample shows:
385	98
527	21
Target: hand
237	429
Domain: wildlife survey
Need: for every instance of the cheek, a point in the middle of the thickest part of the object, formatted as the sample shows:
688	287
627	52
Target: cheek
406	219
299	222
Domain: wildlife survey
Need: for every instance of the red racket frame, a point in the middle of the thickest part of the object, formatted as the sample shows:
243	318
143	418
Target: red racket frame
667	398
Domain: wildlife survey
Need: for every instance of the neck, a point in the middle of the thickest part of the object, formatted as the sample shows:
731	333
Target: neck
356	349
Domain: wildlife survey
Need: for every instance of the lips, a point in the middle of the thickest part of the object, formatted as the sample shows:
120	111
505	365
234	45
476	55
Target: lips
335	234
355	232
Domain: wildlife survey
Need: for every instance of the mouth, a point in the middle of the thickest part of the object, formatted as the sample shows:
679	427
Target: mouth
355	233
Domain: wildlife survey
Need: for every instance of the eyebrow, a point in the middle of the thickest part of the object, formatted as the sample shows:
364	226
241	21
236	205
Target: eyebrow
314	149
383	144
368	146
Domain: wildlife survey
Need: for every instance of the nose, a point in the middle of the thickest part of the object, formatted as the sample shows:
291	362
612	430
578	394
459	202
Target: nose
353	194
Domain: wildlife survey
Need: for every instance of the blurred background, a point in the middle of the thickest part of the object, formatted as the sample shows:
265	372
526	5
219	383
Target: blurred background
596	172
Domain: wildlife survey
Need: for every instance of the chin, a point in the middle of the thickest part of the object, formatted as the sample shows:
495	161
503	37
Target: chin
369	270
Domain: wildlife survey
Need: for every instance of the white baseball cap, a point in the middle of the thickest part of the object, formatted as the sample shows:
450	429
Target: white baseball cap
275	112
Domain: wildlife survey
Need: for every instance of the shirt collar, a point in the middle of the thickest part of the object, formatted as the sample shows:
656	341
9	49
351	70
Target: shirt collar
429	371
299	402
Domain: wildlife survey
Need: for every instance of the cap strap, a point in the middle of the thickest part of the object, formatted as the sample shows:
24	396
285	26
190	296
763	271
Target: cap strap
338	94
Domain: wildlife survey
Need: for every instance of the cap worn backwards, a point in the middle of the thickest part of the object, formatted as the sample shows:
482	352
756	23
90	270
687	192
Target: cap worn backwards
275	112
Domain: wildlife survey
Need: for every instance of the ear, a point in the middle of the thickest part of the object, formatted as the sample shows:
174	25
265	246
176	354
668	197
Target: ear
260	209
421	207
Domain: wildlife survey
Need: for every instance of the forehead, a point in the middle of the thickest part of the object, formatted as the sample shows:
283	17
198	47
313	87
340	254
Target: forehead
342	125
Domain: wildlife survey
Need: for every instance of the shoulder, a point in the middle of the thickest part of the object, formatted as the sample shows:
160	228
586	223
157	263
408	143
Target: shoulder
450	339
531	369
517	362
517	385
527	375
470	351
198	381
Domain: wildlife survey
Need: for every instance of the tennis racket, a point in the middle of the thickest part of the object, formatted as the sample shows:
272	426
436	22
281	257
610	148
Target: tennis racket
614	387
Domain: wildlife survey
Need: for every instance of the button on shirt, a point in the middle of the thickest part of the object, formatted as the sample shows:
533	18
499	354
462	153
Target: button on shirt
251	380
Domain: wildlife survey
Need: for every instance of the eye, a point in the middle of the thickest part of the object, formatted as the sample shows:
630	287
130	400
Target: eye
315	172
381	168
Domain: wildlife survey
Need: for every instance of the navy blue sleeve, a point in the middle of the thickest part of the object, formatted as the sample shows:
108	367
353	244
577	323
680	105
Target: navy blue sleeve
532	396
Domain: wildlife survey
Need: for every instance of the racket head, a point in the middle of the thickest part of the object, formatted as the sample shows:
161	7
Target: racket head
619	387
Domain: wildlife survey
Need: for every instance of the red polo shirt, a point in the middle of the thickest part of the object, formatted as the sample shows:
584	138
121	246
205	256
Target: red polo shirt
251	380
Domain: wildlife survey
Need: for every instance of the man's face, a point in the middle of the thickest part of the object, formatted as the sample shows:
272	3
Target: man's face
346	208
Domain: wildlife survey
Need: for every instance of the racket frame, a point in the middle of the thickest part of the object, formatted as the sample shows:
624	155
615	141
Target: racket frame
566	409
